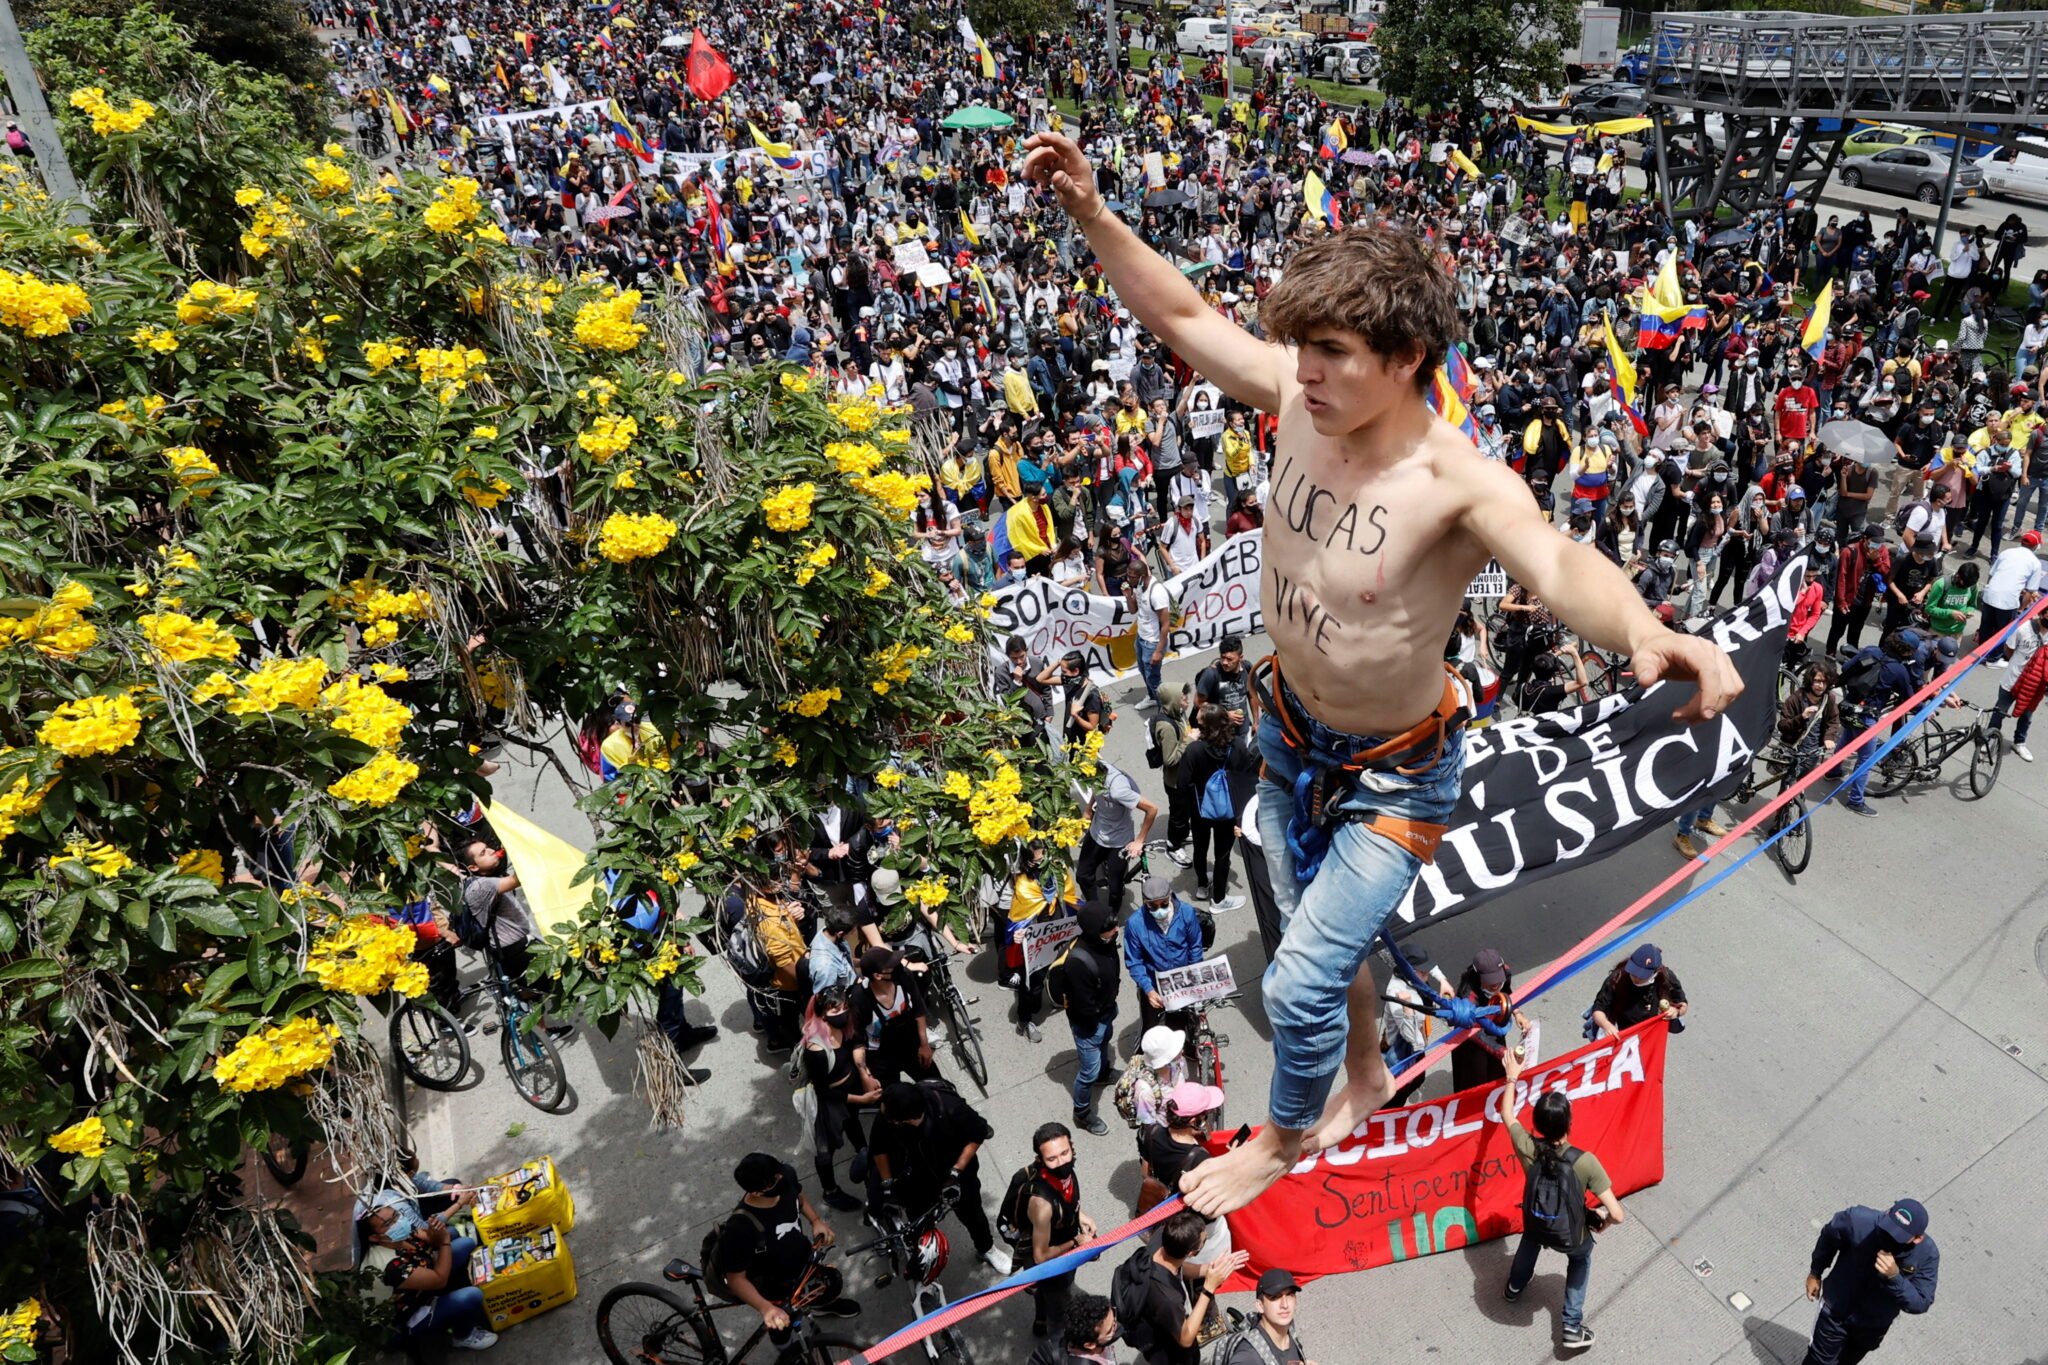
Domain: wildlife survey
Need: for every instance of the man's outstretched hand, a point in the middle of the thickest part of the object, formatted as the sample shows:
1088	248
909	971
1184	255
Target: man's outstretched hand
1055	160
1669	655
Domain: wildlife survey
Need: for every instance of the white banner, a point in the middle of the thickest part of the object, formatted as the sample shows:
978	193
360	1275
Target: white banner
1042	939
1180	987
1219	596
460	42
497	125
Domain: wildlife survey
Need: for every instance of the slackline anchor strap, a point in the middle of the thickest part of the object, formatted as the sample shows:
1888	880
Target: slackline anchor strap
1456	1011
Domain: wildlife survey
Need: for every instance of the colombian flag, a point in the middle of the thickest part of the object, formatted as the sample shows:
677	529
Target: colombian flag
988	60
1813	337
604	38
623	133
714	226
1335	144
1318	200
781	153
1448	391
1624	368
988	298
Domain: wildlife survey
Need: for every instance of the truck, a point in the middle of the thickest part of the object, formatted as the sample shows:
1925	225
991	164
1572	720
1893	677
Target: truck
1597	45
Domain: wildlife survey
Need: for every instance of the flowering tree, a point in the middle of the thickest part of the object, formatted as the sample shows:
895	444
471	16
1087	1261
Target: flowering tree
300	491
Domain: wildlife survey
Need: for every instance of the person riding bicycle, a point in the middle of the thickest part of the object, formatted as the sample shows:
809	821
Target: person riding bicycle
1160	935
1876	679
768	1249
926	1146
491	896
1810	719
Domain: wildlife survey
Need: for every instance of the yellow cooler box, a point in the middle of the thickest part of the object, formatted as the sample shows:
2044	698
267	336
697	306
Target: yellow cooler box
526	1200
523	1276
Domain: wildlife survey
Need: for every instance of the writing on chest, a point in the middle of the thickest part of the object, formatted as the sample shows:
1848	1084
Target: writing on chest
1334	519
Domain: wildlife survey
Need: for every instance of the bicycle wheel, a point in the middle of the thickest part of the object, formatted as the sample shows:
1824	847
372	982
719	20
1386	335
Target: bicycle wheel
286	1161
1795	850
644	1324
534	1066
949	1344
1895	770
1987	754
429	1044
964	1038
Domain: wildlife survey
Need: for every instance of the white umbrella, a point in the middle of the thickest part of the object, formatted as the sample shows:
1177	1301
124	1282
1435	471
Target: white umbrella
822	78
675	40
1858	441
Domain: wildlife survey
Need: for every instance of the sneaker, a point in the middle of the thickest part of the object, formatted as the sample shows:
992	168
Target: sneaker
998	1260
1086	1118
1180	856
837	1308
1227	903
1997	663
477	1340
1034	1033
1684	844
1510	1293
560	1030
1577	1338
1859	809
694	1036
2026	755
1712	829
841	1200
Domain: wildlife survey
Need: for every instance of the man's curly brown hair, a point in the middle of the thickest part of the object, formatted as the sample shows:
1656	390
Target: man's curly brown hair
1381	282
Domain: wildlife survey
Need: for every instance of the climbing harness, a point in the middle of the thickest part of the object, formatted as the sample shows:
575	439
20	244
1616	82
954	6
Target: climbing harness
1323	782
1455	1010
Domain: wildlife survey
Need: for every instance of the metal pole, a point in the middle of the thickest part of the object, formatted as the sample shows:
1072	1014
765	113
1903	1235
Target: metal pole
1948	192
32	111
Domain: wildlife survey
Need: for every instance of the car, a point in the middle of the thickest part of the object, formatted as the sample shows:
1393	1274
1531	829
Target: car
1288	52
1918	171
1593	90
1202	37
1347	61
1878	137
1627	102
2011	174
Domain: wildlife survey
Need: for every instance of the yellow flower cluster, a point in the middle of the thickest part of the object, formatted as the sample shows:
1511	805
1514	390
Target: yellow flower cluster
279	682
957	785
878	581
20	801
275	219
854	458
370	600
366	712
857	416
784	752
889	779
816	558
813	704
607	324
190	463
382	355
1084	753
666	959
789	507
1068	831
104	859
450	368
897	436
266	1059
18	1327
894	664
929	893
204	862
159	339
328	178
39	308
204	301
996	810
607	436
959	632
376	783
895	490
106	119
125	410
796	383
455	205
367	956
486	496
87	1137
92	725
625	537
599	390
58	628
181	639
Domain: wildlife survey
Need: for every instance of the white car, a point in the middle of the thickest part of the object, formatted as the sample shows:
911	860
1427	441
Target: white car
2010	174
1202	37
1350	61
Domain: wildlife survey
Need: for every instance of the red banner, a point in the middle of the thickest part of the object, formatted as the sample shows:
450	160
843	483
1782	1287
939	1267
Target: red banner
1442	1174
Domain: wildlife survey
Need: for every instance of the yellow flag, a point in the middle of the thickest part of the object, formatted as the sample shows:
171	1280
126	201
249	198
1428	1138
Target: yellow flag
1464	164
988	60
399	121
1313	192
1624	368
967	230
1537	125
1666	290
1615	127
781	149
548	867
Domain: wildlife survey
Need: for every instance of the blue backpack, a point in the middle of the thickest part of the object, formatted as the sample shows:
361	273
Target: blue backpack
1215	800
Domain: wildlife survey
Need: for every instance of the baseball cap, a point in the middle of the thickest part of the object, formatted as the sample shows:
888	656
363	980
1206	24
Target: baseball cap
1905	1220
1274	1283
1192	1097
886	886
1644	962
2031	540
1157	888
1492	968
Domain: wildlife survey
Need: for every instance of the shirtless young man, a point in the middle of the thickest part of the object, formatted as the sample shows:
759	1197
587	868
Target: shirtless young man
1379	516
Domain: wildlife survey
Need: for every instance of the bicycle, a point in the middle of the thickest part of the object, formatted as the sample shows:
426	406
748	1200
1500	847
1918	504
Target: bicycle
1794	851
917	1251
429	1044
648	1324
1921	756
1205	1050
944	994
433	1038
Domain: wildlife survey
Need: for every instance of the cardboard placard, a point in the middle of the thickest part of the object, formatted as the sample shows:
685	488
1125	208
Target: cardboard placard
1042	939
909	256
933	275
1491	581
1206	421
1209	979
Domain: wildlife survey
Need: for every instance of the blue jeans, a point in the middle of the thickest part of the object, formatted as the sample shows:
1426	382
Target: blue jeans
2028	491
1851	729
1148	669
1578	1269
1689	820
1093	1047
459	1311
1327	925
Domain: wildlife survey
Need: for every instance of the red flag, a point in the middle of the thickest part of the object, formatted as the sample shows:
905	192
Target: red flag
709	74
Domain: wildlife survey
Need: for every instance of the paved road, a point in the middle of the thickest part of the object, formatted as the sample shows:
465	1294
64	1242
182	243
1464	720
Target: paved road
1878	1029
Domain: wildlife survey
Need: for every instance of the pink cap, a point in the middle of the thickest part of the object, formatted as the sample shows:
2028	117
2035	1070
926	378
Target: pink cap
1191	1097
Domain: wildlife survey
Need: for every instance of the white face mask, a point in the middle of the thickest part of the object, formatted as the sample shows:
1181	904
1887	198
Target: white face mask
1162	915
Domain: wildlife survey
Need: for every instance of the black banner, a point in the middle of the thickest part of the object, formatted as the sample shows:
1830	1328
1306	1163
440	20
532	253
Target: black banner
1544	794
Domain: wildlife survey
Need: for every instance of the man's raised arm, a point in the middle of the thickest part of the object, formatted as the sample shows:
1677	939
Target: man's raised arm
1249	370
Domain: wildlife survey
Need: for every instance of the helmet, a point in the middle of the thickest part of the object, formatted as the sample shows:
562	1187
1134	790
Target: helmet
928	1257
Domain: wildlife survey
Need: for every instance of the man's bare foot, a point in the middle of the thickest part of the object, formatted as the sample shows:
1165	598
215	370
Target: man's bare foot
1360	1098
1227	1183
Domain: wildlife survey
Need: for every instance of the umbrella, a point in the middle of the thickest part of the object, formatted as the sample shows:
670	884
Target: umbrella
675	40
1858	441
1194	270
1115	205
1355	157
822	78
1736	238
607	213
1165	199
976	116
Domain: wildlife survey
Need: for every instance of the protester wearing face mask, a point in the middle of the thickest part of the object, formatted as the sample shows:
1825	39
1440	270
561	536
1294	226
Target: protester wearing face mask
770	1240
422	1270
1160	935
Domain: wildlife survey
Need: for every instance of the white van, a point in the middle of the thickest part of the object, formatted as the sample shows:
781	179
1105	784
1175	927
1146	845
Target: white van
2010	174
1202	37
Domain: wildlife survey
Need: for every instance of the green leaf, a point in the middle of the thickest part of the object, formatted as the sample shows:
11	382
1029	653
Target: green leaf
214	918
31	969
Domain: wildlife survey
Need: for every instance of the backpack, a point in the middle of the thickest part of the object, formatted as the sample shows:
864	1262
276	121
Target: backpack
1215	800
1246	1329
471	930
1125	1095
1905	514
1554	1200
1013	1218
1129	1288
744	951
707	1254
1057	977
1859	679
